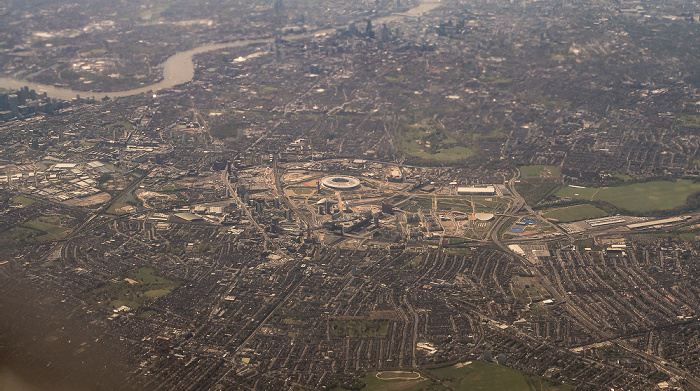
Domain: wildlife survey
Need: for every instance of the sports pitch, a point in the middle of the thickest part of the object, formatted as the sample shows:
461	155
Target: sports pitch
575	213
486	376
638	197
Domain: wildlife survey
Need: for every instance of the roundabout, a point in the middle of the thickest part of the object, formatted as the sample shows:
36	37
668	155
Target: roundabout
341	182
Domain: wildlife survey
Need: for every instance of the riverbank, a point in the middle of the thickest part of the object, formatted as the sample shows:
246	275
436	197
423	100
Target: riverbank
179	68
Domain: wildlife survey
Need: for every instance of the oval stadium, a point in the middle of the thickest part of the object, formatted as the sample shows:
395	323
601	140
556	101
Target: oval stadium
341	182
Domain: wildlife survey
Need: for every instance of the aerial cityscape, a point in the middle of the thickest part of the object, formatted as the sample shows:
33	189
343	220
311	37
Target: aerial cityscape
364	195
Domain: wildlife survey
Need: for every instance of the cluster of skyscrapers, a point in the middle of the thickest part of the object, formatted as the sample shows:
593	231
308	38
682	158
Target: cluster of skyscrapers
26	103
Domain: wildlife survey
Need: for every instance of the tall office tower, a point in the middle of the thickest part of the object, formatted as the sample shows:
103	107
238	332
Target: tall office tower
14	103
369	33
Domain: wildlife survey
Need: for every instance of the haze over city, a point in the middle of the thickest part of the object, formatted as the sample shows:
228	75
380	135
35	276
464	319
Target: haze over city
364	195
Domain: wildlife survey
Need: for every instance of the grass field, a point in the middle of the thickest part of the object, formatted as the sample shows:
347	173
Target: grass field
48	226
126	125
539	171
133	289
638	197
690	120
396	381
535	190
123	205
425	203
357	328
458	207
575	213
623	177
480	375
489	204
684	236
117	208
400	375
464	203
24	201
18	236
147	314
301	190
475	376
537	182
224	130
426	142
528	290
416	261
458	250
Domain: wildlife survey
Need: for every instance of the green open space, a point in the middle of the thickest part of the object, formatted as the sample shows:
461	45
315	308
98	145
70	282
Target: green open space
455	207
132	289
117	208
301	190
290	320
428	143
539	171
22	200
575	213
489	204
49	228
486	376
97	52
395	77
126	125
537	182
578	192
416	261
229	129
147	314
390	375
490	133
425	203
536	189
18	236
455	241
358	328
690	120
680	235
391	381
267	89
638	197
458	250
621	176
528	290
535	294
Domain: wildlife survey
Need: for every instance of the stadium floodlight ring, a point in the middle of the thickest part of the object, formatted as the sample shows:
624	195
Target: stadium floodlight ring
340	182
